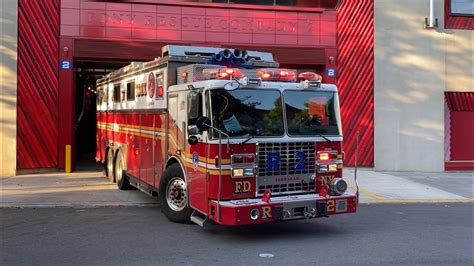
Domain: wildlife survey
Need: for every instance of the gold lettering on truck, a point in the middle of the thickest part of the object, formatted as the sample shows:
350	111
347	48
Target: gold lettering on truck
266	212
242	186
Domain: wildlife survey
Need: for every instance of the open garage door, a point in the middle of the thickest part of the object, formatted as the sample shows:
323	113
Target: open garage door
87	72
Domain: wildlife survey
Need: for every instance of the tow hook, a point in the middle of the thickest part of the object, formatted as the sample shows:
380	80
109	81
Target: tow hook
310	214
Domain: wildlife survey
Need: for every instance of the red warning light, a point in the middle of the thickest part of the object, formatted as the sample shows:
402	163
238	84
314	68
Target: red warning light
228	73
160	91
277	74
309	76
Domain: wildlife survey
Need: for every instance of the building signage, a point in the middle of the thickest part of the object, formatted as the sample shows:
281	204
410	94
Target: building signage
65	64
331	72
210	24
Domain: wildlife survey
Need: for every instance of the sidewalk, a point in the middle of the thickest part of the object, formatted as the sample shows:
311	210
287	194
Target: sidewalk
411	187
92	189
82	189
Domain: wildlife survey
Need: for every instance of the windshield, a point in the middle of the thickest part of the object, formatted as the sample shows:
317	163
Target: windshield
312	112
246	112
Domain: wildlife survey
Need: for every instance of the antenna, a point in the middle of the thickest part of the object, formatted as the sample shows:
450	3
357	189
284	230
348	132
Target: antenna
355	165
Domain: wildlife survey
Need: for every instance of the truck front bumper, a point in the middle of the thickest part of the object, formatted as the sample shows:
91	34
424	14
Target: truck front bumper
282	208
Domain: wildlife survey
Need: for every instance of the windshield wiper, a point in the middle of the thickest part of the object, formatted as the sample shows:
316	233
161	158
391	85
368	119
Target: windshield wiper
258	132
325	138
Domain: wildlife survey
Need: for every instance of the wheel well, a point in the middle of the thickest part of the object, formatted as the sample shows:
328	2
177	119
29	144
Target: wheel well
174	160
171	161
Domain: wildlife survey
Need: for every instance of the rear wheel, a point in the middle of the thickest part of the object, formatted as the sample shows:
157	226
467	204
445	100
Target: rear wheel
119	172
174	195
110	165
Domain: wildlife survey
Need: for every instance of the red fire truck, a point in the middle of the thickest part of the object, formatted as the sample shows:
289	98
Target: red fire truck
224	135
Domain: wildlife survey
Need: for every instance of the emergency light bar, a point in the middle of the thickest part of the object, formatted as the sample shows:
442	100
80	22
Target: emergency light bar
222	73
253	77
276	74
309	76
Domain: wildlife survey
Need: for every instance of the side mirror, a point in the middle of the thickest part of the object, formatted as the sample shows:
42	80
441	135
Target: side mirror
193	130
192	140
203	123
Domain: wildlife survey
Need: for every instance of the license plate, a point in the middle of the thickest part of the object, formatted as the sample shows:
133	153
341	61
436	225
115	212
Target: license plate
341	205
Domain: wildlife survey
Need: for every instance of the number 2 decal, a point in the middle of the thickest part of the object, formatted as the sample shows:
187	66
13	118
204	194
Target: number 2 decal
301	157
330	205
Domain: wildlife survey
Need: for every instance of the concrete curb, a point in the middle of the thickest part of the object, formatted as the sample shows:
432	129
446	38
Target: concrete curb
131	204
75	205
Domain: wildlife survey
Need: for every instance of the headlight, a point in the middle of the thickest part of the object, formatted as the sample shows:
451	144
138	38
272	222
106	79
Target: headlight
323	168
243	165
243	172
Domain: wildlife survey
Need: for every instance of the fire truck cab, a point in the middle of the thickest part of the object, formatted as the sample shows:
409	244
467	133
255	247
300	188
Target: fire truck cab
224	135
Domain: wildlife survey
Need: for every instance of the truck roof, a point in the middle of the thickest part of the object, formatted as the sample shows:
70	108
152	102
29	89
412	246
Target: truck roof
187	54
217	83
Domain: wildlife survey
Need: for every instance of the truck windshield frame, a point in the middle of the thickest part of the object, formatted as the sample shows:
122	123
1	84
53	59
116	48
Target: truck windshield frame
310	113
245	112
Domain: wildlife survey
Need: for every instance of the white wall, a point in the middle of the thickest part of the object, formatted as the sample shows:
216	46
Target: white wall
8	91
413	68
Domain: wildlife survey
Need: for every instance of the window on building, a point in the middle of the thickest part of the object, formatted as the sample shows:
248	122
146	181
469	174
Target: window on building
459	14
131	91
462	8
117	93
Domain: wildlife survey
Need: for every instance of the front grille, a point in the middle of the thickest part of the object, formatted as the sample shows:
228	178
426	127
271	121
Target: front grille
286	168
288	188
288	158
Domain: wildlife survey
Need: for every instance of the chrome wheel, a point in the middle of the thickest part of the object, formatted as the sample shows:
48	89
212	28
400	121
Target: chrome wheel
110	165
177	194
119	166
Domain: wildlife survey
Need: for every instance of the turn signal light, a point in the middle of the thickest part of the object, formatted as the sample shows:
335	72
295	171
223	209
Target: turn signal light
327	156
323	156
242	158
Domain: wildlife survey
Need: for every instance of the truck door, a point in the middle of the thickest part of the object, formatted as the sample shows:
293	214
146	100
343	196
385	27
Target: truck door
196	156
172	134
133	151
146	148
159	147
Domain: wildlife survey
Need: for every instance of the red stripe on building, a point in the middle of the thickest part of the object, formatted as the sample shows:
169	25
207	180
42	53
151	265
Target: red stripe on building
355	71
38	37
460	101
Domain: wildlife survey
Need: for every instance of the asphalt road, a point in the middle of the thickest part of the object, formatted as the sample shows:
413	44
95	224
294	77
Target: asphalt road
410	234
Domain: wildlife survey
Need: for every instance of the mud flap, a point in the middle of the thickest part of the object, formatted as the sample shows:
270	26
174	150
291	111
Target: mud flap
321	209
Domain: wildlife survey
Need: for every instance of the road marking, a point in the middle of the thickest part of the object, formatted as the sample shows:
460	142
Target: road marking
368	193
420	201
266	255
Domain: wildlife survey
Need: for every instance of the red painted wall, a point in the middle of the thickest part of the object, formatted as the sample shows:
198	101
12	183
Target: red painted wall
462	136
38	38
355	72
200	23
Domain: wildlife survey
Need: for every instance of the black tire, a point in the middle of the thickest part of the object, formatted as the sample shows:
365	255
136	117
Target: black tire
174	195
119	172
109	165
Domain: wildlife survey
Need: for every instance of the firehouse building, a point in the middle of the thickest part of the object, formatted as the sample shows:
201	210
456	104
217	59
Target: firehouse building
404	70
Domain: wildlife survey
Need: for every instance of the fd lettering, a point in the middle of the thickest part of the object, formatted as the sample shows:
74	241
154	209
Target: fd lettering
242	186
